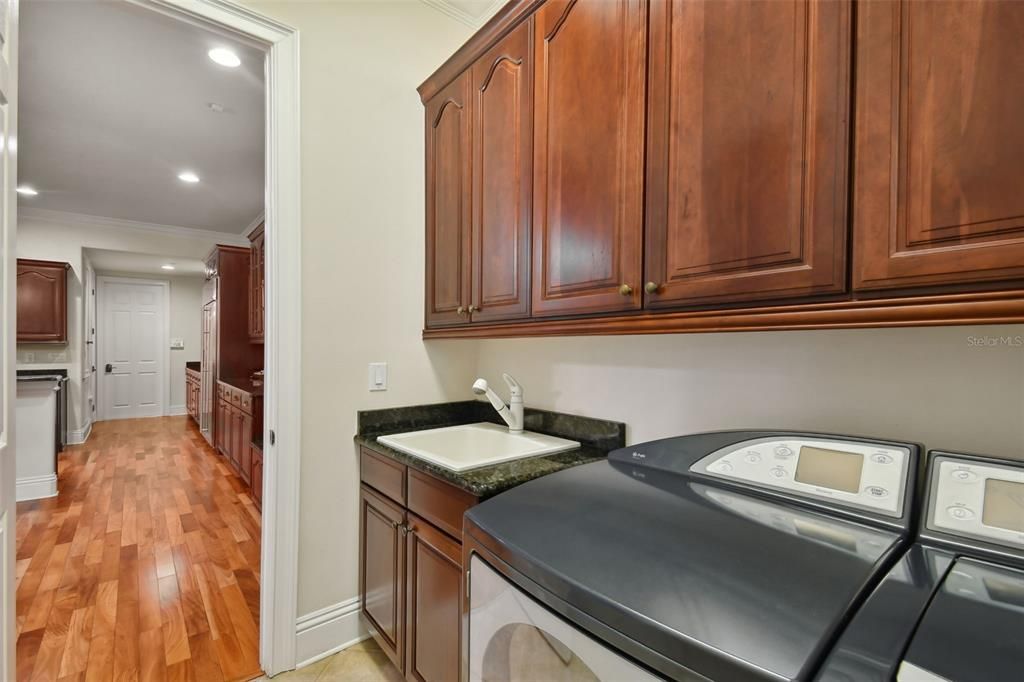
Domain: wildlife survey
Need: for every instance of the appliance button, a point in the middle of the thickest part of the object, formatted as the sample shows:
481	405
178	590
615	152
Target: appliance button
961	513
881	458
778	472
964	476
876	491
783	451
724	467
752	457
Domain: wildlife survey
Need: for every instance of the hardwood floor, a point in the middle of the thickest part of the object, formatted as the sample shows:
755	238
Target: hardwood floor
145	566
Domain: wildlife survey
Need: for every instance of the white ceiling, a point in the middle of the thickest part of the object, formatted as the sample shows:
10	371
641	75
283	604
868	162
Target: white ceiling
105	260
113	105
473	13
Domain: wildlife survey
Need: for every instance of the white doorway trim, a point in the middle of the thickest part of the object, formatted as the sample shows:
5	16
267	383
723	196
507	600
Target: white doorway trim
165	351
283	340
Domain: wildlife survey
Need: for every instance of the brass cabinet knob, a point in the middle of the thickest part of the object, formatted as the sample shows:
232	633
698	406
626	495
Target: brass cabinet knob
626	290
651	288
461	310
474	309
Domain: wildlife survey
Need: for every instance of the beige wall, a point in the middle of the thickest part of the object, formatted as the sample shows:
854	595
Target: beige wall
362	254
940	386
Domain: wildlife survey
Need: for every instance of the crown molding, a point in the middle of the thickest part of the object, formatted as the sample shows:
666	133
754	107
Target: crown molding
254	224
461	15
69	218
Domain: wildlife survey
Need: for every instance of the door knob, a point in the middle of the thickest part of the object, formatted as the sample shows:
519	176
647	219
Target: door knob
626	290
651	288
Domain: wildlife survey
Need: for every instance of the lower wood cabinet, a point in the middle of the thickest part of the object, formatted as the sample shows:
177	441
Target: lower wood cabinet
235	426
256	485
410	566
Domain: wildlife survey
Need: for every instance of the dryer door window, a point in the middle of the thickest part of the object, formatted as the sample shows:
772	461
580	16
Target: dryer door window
513	638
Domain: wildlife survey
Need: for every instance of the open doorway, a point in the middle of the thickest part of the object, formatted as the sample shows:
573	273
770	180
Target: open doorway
112	551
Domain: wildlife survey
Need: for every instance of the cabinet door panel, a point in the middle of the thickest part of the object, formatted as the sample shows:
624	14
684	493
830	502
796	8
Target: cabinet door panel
257	477
245	447
502	178
939	144
41	301
747	150
382	572
449	189
589	94
434	584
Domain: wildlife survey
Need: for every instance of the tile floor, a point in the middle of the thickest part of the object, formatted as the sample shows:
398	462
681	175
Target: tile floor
363	662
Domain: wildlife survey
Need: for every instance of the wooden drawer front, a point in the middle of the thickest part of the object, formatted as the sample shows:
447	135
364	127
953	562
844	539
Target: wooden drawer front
245	401
440	503
383	474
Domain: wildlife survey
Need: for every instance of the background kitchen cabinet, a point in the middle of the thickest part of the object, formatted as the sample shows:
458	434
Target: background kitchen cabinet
257	286
42	294
747	150
502	178
449	190
434	563
588	156
939	140
256	484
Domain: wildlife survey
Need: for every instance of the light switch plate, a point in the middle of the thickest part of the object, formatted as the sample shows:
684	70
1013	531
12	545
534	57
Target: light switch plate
378	376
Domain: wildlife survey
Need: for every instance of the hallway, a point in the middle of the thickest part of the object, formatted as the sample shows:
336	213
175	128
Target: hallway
145	566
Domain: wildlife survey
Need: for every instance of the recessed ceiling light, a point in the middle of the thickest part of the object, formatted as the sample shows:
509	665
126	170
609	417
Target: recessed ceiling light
224	57
167	266
27	191
188	176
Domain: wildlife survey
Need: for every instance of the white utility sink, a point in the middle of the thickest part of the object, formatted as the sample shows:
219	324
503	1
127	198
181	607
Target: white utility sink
461	448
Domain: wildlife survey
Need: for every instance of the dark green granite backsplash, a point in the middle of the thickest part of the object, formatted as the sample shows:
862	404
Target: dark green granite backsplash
598	433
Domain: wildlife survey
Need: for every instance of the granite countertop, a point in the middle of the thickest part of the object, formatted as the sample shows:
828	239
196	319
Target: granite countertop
243	384
596	436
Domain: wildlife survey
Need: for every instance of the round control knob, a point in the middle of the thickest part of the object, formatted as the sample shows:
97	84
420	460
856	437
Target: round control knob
881	458
960	513
778	472
783	451
964	476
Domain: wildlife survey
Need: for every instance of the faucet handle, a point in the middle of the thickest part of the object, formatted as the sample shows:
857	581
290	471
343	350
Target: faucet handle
513	386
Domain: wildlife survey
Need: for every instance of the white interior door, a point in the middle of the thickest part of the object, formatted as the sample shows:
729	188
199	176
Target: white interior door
8	320
132	338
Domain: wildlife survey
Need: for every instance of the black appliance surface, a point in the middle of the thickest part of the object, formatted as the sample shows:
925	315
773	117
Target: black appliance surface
951	609
683	573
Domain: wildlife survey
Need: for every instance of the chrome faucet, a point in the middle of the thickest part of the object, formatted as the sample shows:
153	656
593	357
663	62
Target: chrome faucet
513	412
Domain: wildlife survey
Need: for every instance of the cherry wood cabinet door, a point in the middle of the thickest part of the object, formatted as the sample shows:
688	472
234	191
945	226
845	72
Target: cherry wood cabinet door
256	485
449	190
244	447
502	178
382	572
42	308
939	143
589	96
434	582
747	150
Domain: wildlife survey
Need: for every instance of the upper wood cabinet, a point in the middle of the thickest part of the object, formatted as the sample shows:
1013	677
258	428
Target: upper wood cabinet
502	178
42	287
257	279
939	144
449	192
699	165
747	150
589	99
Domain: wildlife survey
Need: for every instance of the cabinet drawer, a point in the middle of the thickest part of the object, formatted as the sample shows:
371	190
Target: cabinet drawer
383	474
438	502
245	402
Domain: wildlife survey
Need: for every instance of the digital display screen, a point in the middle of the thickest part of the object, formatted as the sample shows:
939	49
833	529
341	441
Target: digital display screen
833	469
1004	505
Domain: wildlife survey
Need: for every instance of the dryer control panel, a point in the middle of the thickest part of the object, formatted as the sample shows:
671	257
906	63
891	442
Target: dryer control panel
857	474
977	499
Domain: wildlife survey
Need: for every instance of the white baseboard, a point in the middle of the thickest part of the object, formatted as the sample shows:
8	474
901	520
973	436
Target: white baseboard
327	631
79	436
36	487
177	410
